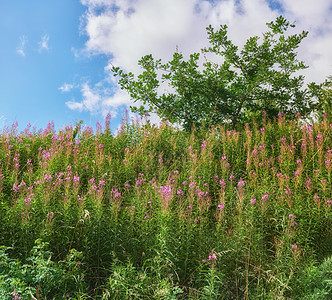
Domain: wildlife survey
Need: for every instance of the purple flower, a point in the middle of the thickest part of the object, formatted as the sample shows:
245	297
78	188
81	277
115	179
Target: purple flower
189	207
288	192
212	256
192	184
222	183
16	188
241	183
253	200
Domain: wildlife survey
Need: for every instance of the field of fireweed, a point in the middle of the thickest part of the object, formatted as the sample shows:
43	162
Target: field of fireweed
157	213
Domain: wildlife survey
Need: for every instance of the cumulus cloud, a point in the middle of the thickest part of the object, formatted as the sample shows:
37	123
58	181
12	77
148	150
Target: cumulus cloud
66	87
126	30
97	100
20	49
43	43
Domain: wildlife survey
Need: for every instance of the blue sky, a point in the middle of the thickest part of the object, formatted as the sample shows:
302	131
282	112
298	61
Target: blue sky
39	41
55	55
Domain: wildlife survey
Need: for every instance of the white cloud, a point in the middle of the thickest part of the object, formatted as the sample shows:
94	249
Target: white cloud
96	100
43	44
20	49
66	87
75	105
126	30
2	122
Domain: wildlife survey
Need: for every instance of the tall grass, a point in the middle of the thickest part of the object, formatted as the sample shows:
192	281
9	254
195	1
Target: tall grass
157	213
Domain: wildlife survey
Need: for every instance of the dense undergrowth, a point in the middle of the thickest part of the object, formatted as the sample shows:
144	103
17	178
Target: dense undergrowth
157	213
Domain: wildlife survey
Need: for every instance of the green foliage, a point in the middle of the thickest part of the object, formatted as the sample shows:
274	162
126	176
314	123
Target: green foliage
323	93
160	213
40	276
259	77
317	281
126	282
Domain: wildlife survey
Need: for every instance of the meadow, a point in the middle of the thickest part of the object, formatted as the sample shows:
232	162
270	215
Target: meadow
154	212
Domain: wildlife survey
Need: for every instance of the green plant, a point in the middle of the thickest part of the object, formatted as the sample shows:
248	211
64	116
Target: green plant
40	276
316	281
260	76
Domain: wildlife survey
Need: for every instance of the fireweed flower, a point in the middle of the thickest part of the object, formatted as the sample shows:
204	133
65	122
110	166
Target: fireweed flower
179	192
16	296
294	246
291	216
308	184
221	207
50	215
16	188
222	183
192	184
116	193
212	256
253	200
241	183
27	201
165	190
288	192
265	197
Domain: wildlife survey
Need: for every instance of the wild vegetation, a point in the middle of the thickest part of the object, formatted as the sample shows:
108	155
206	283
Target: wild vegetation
159	213
226	83
219	209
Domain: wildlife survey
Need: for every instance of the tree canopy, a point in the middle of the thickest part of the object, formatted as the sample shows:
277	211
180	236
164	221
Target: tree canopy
261	76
